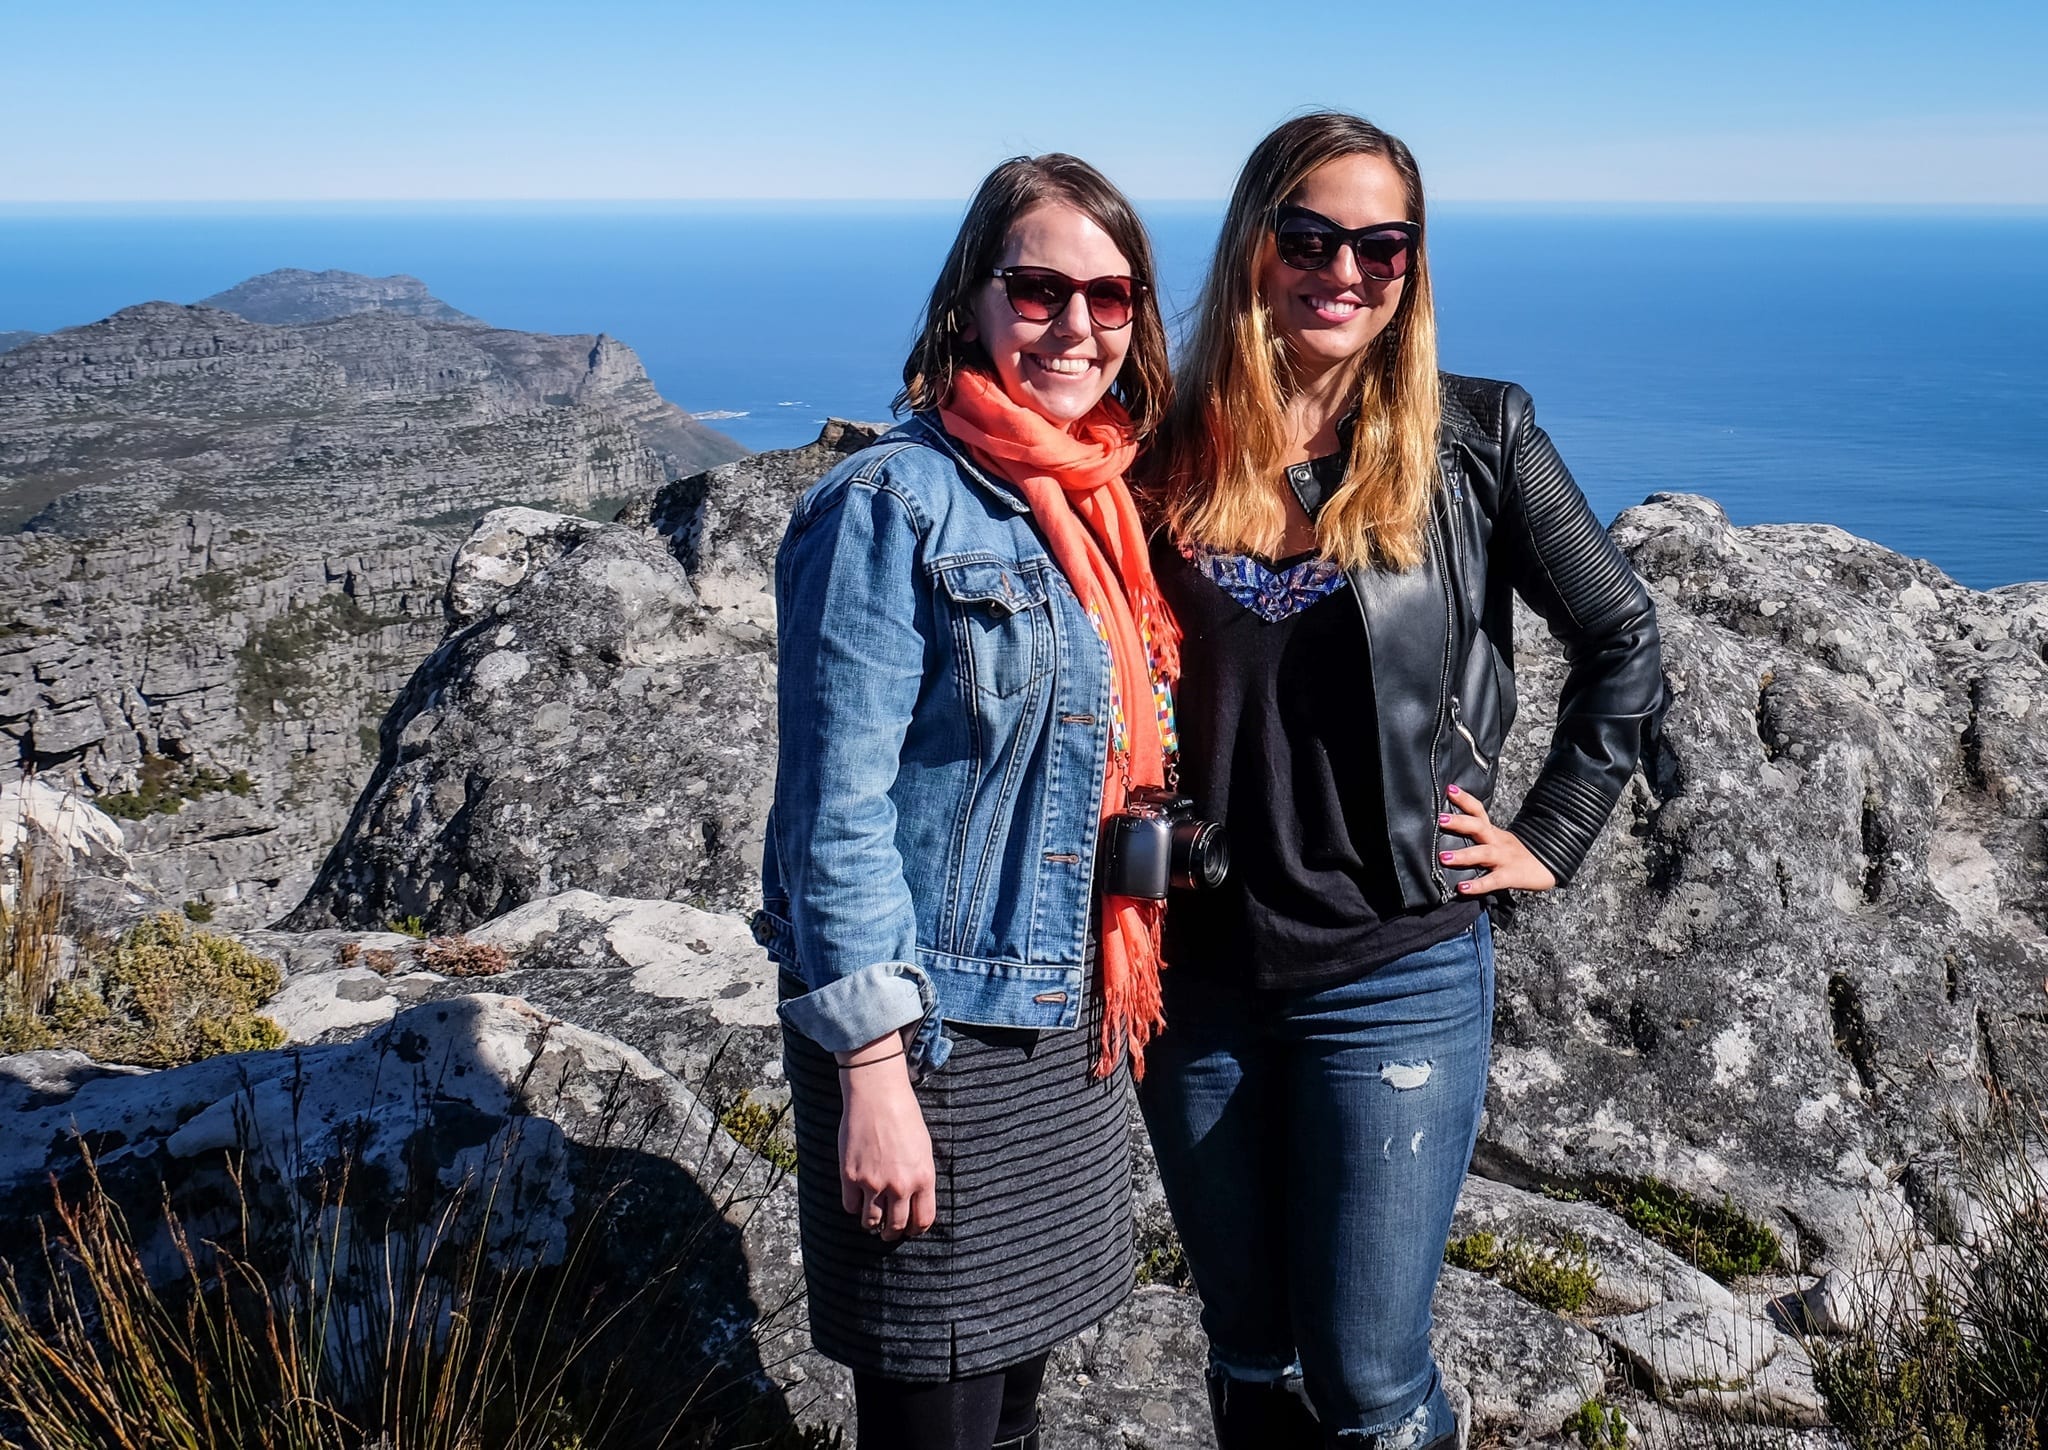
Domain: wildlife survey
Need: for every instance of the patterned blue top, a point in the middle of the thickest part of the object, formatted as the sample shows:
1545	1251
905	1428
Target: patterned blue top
1271	594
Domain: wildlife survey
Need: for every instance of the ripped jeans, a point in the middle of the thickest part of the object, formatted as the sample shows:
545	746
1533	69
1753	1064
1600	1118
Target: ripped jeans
1313	1145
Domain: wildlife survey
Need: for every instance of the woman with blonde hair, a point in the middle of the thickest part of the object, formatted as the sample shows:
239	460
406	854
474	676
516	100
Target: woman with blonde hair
1345	529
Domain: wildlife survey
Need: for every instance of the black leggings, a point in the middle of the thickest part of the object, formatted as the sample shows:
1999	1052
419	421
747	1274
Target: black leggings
966	1414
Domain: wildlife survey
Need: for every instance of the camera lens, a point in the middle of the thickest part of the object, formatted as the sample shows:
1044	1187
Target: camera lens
1201	857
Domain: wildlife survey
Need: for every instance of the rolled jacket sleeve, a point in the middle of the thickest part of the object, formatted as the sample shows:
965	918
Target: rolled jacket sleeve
854	621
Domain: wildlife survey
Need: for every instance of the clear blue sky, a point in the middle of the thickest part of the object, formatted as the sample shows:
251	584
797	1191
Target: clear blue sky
185	100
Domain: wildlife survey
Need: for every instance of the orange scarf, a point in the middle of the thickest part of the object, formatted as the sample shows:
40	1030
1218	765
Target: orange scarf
1073	478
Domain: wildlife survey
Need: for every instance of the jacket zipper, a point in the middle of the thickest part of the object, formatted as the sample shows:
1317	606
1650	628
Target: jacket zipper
1443	693
1458	724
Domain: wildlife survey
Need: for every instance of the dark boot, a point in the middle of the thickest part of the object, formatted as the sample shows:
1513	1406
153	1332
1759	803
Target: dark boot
1261	1415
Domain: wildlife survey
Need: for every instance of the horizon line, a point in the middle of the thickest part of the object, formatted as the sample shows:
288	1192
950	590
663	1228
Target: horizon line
466	203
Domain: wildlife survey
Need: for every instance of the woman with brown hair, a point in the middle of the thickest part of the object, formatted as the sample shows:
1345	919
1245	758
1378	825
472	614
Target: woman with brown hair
974	669
1345	531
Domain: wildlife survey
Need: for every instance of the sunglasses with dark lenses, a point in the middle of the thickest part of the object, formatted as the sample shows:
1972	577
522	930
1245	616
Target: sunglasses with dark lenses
1308	241
1039	294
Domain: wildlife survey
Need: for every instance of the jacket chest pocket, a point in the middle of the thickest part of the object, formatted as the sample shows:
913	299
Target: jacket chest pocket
1002	623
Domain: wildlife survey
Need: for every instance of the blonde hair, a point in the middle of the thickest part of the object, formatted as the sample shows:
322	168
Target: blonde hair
1225	439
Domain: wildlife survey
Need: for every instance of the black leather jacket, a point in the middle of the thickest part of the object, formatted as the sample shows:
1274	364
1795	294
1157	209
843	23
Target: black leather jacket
1440	642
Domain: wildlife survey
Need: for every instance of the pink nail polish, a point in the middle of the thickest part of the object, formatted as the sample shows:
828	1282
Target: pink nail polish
1444	819
1454	790
1444	856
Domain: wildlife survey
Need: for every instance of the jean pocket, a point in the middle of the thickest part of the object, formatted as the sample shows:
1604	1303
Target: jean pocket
1002	623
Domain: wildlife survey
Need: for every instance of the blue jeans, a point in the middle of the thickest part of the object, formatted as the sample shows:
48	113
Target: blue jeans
1313	1145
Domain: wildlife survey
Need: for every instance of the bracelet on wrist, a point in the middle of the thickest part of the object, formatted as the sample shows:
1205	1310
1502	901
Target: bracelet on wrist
871	1061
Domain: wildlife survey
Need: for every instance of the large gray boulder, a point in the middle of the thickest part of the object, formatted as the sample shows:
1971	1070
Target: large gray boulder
601	718
479	1119
1814	930
596	729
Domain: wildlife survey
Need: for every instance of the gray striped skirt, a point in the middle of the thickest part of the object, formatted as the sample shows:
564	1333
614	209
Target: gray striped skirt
1033	1240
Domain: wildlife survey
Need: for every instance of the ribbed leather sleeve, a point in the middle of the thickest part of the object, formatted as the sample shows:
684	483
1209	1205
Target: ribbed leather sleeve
1574	575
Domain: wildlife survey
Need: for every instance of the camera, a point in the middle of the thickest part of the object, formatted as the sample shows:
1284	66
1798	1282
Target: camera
1157	841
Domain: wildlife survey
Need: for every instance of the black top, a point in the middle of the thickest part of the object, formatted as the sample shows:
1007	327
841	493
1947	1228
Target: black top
1279	743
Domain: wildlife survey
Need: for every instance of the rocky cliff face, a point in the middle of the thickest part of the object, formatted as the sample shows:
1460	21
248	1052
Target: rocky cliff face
237	538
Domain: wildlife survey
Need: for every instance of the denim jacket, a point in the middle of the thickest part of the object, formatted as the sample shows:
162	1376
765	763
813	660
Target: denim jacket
943	704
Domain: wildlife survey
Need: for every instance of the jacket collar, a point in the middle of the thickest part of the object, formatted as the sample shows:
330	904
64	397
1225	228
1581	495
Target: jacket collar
925	428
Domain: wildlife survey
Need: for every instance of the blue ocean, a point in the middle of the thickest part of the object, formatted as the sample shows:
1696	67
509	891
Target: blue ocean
1883	371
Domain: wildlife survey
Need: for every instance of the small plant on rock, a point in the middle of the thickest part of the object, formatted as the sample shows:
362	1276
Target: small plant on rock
1598	1426
1718	1238
412	926
760	1129
457	956
1561	1279
1162	1260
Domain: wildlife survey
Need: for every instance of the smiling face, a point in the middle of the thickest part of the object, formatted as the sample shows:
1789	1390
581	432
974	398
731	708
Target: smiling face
1059	368
1329	317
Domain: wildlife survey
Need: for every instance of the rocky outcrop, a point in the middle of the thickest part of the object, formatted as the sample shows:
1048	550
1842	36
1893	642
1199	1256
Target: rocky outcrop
555	1148
601	716
11	340
241	536
1816	927
291	295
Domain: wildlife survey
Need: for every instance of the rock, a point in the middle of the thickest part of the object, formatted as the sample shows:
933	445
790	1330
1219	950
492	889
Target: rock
556	1145
1134	1379
602	728
1815	929
242	534
1521	1365
1730	1361
505	546
691	989
1634	1273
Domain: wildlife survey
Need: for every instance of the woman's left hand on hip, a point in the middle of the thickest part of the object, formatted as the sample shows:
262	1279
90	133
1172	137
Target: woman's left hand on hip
1509	864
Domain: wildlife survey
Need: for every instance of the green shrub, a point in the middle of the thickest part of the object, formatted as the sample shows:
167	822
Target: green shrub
198	912
412	926
163	995
280	658
1719	1239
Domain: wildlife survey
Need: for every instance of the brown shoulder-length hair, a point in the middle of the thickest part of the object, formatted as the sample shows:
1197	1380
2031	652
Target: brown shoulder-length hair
1221	451
1006	193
